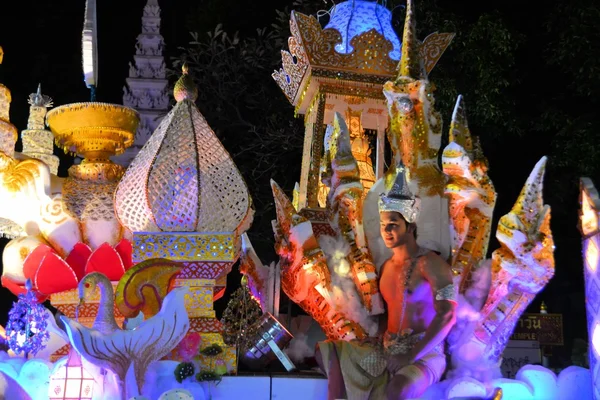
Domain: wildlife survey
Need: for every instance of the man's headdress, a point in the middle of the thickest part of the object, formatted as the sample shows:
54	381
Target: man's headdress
399	198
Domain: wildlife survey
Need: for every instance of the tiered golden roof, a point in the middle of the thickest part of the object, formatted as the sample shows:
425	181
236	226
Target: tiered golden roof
312	53
94	130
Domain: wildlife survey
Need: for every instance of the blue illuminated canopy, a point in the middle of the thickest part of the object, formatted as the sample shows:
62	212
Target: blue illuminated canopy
354	17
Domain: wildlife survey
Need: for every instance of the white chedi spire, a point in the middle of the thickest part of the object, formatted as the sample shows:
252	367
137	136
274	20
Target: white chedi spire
38	142
146	88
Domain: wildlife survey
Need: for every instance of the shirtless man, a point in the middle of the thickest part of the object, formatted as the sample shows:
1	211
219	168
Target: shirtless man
417	287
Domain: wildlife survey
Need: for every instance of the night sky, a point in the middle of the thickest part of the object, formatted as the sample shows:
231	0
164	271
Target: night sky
42	42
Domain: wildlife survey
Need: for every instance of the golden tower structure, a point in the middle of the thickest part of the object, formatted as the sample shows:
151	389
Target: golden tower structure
342	68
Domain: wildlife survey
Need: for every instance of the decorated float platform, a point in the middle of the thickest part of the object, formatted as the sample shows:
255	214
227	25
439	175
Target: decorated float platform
132	255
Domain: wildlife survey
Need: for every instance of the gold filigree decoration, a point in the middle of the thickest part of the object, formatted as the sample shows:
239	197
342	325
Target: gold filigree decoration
314	47
433	47
370	55
311	46
88	192
184	246
55	212
183	180
295	64
354	100
199	301
24	175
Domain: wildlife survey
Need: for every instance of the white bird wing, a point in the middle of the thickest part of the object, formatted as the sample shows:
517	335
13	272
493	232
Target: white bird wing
150	341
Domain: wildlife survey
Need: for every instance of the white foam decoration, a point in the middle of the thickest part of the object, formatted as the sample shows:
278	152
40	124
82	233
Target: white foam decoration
10	389
532	382
176	394
20	207
8	369
467	387
33	377
344	296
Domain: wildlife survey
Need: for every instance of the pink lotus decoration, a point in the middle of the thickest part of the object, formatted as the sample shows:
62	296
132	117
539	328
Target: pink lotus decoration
189	347
51	274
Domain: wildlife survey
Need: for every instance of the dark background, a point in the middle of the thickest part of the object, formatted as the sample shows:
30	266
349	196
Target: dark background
42	42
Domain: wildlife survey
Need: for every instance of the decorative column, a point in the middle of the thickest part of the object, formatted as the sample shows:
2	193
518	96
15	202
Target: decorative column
316	152
380	167
590	232
185	200
146	88
38	142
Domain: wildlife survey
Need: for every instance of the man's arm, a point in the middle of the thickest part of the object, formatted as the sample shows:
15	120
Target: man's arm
439	275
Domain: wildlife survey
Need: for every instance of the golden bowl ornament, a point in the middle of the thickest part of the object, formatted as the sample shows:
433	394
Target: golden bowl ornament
96	131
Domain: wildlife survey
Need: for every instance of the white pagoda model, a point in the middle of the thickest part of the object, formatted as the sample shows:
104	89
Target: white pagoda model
146	88
38	142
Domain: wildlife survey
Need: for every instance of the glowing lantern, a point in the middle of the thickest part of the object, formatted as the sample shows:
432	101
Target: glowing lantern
71	381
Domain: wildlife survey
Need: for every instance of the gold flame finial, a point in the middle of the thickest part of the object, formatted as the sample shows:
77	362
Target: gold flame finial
185	88
411	63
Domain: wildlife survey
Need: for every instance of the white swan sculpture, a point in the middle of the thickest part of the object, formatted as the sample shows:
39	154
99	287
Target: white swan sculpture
121	350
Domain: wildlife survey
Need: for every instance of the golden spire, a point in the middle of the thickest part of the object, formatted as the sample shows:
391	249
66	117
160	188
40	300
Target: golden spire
185	88
411	64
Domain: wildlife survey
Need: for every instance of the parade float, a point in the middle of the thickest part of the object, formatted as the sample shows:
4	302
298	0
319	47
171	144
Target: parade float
134	258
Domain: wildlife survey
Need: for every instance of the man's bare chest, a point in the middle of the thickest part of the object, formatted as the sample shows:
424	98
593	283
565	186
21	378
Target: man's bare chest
394	283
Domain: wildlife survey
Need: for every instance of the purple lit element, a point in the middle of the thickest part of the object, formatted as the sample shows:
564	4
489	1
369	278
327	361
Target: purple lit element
353	18
26	331
589	215
254	291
